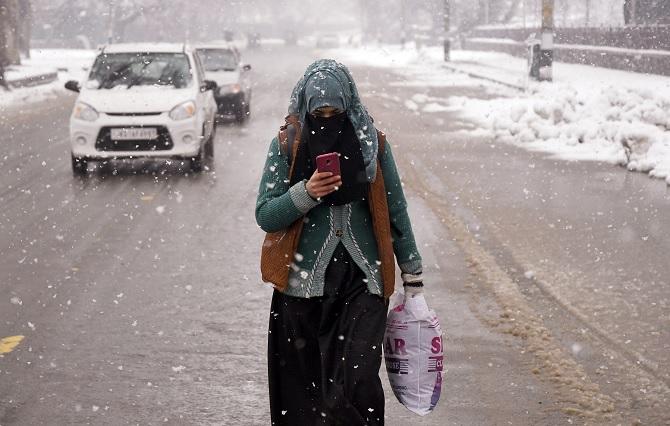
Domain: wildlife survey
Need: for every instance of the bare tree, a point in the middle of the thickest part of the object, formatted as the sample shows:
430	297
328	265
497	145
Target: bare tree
127	13
512	10
9	22
24	26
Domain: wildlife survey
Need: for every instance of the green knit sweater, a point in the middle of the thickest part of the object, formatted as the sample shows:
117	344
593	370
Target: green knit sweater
278	205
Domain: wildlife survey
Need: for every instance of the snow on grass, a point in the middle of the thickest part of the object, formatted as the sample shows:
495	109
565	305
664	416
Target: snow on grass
71	64
587	113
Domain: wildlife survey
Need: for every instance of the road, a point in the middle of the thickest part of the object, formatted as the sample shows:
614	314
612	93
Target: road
138	292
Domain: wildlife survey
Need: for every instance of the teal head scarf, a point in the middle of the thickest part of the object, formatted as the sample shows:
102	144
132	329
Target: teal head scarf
329	83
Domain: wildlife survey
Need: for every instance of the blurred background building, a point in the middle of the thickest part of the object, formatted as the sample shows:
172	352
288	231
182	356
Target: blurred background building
88	23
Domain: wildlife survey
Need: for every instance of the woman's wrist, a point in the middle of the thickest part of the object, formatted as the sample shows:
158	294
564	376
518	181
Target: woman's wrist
308	193
301	198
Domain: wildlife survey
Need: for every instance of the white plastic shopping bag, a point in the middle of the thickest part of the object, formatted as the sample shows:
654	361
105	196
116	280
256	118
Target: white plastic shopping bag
413	353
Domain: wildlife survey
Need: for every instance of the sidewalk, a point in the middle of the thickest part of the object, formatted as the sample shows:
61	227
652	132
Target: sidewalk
27	76
512	71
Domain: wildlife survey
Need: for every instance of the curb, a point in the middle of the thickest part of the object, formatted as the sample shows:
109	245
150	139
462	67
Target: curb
483	77
34	80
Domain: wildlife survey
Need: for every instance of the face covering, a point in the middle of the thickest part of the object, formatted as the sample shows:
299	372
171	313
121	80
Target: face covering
324	133
333	134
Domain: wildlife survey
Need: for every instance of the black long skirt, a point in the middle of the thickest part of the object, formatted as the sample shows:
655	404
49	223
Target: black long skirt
324	353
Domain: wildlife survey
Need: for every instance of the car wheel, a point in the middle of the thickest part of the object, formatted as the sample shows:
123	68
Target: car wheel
79	166
242	113
198	161
209	145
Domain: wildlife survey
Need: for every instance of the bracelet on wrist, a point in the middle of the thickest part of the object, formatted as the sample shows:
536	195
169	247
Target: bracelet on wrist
412	278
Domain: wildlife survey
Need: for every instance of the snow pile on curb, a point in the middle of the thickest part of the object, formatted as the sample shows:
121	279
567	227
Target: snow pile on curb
625	126
70	63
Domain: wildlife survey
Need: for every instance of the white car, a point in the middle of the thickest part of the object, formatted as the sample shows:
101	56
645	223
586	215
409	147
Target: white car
143	100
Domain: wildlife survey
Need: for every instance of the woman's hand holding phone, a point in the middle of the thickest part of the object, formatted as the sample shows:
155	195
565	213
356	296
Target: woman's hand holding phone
322	184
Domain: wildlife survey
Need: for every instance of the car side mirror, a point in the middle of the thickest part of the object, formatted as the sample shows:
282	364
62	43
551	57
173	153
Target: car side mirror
73	85
208	85
246	67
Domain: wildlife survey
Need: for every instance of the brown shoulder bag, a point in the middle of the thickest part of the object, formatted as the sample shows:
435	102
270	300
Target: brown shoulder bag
280	247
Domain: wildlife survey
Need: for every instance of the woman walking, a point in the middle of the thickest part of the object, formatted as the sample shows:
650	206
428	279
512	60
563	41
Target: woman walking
327	322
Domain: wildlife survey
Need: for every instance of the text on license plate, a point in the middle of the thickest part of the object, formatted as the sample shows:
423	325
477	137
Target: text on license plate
134	133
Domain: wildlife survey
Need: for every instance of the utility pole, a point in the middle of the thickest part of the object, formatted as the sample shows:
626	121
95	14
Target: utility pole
547	41
447	42
403	23
588	12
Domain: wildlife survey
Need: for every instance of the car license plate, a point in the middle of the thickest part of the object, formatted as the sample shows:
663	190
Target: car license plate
134	133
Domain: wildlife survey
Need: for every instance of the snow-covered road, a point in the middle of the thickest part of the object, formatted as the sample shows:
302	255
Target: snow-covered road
140	299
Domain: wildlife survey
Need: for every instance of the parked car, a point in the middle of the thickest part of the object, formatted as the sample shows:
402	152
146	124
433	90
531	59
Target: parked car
224	66
140	100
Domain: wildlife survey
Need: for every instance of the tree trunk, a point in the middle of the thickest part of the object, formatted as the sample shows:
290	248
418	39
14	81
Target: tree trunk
511	11
9	20
24	26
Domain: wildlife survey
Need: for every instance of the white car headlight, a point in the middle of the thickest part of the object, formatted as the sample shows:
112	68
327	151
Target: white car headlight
183	111
229	88
85	112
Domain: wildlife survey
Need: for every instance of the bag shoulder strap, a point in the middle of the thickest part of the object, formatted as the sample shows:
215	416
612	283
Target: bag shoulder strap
289	139
381	140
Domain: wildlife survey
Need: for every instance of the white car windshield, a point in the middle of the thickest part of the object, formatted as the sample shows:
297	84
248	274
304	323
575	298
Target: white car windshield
218	59
113	70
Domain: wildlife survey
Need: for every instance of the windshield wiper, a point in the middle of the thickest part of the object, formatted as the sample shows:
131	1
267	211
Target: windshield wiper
138	77
214	69
106	82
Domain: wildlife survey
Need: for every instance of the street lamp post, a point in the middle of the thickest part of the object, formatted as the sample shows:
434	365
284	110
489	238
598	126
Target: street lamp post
547	41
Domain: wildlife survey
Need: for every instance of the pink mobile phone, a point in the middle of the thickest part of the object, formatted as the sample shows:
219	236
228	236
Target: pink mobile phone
328	163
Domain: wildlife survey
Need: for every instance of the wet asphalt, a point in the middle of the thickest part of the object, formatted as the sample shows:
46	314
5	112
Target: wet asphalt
138	294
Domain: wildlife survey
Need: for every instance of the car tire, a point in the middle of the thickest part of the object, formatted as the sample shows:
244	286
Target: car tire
209	145
242	114
79	166
198	162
